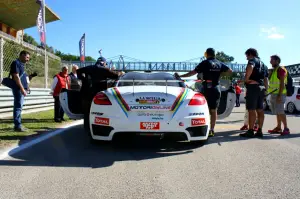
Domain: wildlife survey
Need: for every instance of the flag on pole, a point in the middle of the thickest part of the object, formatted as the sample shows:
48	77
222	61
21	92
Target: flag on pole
82	48
40	22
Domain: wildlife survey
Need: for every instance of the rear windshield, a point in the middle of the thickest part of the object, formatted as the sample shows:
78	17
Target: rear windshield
139	79
298	91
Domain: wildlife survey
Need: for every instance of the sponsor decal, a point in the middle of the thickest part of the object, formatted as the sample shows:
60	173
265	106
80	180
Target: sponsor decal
150	107
157	118
123	105
151	114
198	121
97	113
150	100
101	120
149	125
179	101
191	114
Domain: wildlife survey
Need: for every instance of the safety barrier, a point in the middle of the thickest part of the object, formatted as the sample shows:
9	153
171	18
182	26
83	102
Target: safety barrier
38	100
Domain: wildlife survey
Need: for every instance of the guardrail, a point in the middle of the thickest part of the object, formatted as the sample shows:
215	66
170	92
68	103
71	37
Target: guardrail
37	100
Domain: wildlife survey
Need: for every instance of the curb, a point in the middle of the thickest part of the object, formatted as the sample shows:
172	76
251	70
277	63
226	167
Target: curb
15	149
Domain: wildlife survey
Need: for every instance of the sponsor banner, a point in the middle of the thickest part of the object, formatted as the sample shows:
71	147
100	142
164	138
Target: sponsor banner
150	107
82	48
101	120
40	23
193	114
149	125
198	122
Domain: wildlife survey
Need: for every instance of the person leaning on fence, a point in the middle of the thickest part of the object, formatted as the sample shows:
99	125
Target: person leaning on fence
75	82
61	80
17	71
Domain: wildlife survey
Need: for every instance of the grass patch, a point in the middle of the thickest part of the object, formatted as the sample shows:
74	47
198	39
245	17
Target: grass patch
37	123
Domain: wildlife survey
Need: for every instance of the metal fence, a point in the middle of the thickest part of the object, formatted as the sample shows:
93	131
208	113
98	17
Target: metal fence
10	49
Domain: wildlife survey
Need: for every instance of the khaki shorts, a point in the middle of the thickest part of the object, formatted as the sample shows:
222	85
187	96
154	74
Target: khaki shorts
277	108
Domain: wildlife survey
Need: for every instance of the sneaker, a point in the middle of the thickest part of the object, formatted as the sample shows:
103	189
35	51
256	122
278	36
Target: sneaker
245	127
21	129
248	134
259	134
286	131
211	133
57	120
276	130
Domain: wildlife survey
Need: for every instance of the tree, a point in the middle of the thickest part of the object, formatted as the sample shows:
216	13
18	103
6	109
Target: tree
27	38
221	56
66	57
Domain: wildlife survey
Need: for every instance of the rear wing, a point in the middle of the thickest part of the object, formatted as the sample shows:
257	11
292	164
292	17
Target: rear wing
165	82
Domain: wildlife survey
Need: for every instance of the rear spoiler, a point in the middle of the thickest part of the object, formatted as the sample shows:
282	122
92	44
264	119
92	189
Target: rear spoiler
164	81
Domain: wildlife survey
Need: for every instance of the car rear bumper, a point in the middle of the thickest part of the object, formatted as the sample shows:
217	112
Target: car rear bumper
166	129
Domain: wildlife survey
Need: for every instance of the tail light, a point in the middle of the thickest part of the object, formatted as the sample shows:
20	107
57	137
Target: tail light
101	99
198	99
298	97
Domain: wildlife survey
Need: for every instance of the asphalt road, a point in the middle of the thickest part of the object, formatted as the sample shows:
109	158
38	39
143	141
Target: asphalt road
68	166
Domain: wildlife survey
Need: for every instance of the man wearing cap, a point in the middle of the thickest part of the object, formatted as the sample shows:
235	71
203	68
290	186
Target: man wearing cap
211	69
94	79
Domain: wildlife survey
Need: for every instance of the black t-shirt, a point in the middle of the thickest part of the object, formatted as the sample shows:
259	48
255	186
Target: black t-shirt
211	69
18	67
260	71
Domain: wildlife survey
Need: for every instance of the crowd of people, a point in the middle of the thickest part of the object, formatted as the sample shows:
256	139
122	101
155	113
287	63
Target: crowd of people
258	83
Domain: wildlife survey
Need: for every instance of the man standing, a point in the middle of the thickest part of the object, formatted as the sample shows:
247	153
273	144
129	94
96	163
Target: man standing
75	82
238	92
17	71
94	79
256	81
60	81
278	80
211	69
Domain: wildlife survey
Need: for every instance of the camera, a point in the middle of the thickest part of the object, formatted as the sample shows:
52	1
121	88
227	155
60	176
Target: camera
32	75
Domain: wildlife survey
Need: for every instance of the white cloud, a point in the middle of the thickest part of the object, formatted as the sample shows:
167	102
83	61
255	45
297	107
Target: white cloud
271	33
275	36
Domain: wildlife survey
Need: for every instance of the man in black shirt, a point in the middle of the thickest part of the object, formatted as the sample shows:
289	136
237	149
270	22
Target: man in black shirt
256	80
212	70
94	79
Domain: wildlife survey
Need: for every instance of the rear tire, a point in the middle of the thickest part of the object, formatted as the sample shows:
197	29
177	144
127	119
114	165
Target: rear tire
291	108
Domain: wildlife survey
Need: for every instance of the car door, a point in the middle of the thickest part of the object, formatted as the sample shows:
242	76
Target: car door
227	101
71	103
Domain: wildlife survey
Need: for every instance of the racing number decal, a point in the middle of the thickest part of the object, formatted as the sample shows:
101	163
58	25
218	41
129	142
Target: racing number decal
149	125
101	120
198	122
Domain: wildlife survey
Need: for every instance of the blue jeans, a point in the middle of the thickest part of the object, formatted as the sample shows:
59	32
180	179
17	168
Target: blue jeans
18	105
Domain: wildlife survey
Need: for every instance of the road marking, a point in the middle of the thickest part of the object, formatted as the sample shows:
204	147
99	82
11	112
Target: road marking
17	149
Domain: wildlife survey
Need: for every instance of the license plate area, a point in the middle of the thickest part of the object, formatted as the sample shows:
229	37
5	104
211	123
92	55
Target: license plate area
149	125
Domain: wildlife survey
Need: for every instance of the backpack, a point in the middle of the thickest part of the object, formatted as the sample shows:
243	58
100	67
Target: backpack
289	86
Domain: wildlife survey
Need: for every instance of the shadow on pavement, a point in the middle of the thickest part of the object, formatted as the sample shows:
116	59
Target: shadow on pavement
233	135
74	149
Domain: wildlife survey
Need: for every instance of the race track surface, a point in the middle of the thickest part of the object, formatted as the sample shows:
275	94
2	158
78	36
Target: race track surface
69	166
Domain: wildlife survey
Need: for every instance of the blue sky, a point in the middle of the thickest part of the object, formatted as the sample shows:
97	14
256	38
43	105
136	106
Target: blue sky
176	30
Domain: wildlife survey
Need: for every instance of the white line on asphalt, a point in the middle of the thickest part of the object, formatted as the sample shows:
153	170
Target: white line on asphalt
17	149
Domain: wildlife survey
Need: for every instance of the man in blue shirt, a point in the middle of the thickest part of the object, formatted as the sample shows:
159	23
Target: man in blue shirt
17	71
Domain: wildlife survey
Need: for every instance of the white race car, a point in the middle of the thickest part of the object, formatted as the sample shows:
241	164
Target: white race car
148	104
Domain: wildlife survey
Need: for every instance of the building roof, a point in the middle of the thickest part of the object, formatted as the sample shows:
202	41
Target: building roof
23	14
